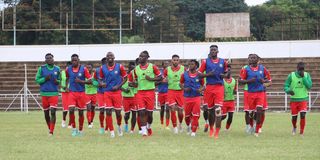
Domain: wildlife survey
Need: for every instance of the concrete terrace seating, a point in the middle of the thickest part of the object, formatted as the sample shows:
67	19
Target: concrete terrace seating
12	79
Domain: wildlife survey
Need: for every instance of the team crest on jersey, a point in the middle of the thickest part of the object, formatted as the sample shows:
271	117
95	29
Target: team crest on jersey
55	73
260	72
115	72
79	74
197	80
220	65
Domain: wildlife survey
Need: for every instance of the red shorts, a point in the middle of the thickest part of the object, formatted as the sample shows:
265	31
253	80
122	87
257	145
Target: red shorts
255	99
49	102
91	98
163	99
113	100
64	97
214	95
265	102
245	101
297	107
192	106
100	98
77	99
228	106
129	104
145	100
175	97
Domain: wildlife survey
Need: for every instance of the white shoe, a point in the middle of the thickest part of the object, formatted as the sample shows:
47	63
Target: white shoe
90	125
175	130
112	135
63	124
70	127
188	130
260	130
256	134
180	128
120	133
294	131
193	134
131	132
140	131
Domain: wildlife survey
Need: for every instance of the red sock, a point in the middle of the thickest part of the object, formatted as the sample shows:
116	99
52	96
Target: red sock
187	120
161	119
89	116
174	118
72	120
92	115
251	122
194	123
106	127
139	122
262	119
119	120
294	123
167	122
101	119
81	120
258	126
228	125
52	124
216	132
302	125
109	122
180	116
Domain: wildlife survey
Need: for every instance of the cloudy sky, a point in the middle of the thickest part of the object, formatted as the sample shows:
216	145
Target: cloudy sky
254	2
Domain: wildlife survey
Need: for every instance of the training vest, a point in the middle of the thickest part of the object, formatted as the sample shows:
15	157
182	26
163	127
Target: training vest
193	83
144	84
50	86
174	78
256	86
73	86
217	68
162	87
297	86
228	90
113	77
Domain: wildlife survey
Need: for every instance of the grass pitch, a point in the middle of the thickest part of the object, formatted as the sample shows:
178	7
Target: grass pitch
25	136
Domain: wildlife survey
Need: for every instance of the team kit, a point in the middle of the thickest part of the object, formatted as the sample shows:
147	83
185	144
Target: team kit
182	93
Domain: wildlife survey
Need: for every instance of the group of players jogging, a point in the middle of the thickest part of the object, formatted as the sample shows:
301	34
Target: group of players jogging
181	92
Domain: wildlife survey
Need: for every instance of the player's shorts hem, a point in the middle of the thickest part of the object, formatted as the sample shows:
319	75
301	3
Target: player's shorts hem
118	109
172	104
149	110
108	107
101	107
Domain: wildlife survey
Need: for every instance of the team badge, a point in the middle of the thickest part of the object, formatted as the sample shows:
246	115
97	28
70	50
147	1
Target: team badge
55	73
260	72
220	65
79	74
115	72
197	80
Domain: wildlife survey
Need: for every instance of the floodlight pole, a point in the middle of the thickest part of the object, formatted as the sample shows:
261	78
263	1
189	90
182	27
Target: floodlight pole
14	22
120	24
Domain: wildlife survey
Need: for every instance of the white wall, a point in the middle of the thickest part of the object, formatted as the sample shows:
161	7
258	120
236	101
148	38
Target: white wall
267	49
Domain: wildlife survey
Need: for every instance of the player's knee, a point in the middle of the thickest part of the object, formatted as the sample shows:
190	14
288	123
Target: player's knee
302	115
218	111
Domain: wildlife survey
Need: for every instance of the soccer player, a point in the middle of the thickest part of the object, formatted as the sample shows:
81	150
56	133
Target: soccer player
144	77
216	68
230	88
192	85
48	77
163	96
175	93
129	102
64	96
298	85
76	75
100	95
115	76
255	75
91	96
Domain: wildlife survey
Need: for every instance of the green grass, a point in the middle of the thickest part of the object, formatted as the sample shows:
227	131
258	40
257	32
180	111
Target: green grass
24	136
